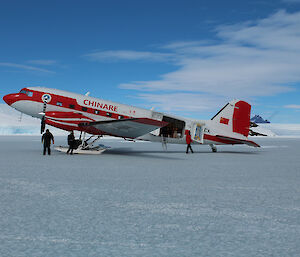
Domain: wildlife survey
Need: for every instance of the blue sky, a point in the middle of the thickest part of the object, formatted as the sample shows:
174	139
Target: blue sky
183	57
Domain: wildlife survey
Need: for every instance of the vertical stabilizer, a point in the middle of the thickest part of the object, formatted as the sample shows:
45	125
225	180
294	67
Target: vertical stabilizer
234	117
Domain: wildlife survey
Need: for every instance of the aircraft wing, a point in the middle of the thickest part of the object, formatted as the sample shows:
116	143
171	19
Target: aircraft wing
238	141
127	128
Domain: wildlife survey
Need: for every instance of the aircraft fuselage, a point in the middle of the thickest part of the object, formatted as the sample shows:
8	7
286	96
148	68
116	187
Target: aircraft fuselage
67	110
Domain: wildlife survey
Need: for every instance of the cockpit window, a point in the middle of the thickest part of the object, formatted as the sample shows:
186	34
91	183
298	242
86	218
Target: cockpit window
26	92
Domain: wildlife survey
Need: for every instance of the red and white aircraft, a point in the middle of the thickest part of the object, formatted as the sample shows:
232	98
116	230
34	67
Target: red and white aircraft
70	111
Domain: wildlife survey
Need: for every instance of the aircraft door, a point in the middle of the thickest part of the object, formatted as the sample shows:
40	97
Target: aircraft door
156	116
197	133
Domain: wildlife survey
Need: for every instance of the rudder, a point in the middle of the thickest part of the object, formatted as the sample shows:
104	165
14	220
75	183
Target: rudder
241	118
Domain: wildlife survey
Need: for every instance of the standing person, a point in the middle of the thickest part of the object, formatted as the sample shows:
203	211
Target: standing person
188	139
46	139
71	142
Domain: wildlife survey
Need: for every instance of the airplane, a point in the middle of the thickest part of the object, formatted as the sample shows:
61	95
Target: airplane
97	117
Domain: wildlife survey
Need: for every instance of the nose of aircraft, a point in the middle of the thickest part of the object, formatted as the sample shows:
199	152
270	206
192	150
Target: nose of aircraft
10	98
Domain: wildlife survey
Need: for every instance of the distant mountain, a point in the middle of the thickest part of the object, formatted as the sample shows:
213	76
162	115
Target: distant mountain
258	119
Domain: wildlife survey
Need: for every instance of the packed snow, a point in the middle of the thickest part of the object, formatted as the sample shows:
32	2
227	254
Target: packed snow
139	200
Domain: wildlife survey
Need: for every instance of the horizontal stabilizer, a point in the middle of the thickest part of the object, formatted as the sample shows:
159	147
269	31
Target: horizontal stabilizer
232	140
127	128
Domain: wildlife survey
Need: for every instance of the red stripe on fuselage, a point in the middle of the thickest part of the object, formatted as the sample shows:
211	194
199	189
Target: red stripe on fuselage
147	121
66	102
62	126
219	140
66	127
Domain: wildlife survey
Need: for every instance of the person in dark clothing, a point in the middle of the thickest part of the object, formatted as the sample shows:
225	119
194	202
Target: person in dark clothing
46	140
71	142
188	139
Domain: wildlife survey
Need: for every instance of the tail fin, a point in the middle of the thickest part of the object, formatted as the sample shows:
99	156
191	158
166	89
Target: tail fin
234	117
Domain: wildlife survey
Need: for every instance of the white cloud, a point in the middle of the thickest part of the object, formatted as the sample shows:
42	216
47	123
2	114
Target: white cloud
128	55
291	1
292	106
257	58
24	67
262	58
43	62
183	102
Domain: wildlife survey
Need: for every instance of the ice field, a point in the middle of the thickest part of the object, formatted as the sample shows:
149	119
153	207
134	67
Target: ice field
138	200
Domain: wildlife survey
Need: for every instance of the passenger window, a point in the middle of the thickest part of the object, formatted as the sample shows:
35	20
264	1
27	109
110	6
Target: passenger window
72	106
23	91
120	117
59	103
84	109
108	114
96	112
30	94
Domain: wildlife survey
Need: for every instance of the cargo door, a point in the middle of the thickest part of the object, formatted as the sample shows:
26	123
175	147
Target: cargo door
174	129
197	132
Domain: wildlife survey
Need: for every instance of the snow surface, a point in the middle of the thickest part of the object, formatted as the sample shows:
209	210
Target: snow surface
137	200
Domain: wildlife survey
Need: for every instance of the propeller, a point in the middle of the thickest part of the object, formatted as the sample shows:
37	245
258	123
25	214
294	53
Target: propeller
43	123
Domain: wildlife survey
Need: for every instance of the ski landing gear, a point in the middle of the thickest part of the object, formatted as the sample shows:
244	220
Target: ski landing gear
213	148
85	146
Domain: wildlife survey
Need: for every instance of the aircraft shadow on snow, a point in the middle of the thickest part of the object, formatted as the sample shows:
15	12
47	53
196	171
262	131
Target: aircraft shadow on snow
145	153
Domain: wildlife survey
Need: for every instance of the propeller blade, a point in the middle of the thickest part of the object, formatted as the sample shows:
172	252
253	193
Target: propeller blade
43	124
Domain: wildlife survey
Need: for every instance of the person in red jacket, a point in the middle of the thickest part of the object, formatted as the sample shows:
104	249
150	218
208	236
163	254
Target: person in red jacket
188	139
